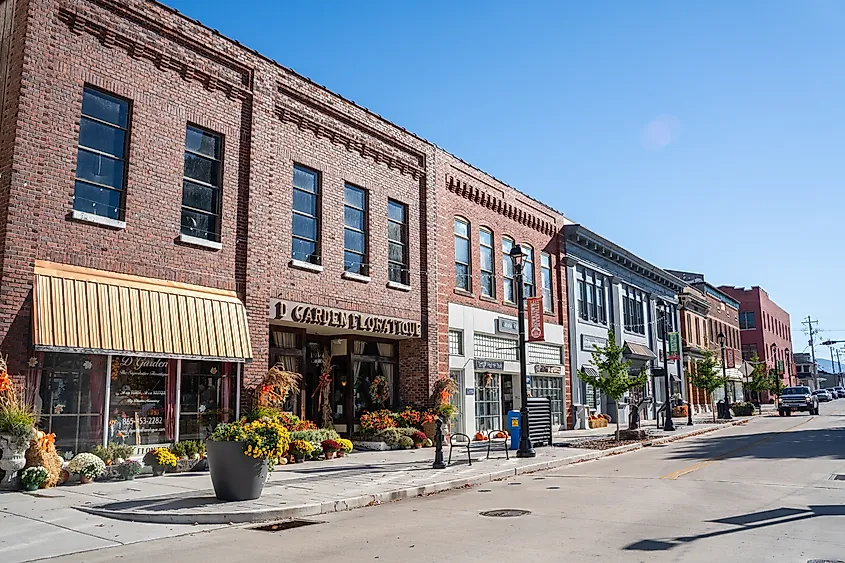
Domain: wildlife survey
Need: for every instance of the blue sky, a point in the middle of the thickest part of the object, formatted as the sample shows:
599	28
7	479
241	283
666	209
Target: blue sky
705	136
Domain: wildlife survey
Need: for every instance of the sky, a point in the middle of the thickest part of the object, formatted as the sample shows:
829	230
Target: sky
705	136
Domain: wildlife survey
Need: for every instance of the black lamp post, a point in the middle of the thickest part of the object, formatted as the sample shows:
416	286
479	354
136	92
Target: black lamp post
668	426
525	447
727	412
775	370
786	355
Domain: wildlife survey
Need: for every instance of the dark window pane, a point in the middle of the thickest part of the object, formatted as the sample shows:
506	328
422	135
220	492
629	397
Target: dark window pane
305	250
353	262
202	142
354	196
487	284
100	169
397	273
305	202
462	250
461	276
394	232
353	240
305	179
305	227
396	211
105	108
103	138
202	169
199	197
353	218
199	225
99	201
395	252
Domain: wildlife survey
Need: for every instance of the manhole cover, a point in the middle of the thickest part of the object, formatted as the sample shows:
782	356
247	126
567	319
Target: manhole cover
505	513
286	525
836	477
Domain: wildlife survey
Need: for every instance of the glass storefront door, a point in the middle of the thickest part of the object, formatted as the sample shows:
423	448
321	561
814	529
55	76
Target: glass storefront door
551	388
488	401
142	400
207	394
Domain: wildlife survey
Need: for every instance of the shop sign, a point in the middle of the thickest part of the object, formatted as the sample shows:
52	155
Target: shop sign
588	341
302	313
137	400
507	326
674	346
730	360
546	368
495	365
534	310
470	391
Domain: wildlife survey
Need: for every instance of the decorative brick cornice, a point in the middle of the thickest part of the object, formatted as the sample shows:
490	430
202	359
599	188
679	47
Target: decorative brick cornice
336	137
497	204
79	24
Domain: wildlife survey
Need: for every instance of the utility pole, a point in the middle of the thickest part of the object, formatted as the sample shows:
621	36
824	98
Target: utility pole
810	322
838	369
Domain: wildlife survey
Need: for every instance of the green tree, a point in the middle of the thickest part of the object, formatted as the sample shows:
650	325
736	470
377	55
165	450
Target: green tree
707	375
614	379
761	379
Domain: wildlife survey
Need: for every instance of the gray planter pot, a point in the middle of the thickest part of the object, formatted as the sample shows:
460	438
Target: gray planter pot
234	475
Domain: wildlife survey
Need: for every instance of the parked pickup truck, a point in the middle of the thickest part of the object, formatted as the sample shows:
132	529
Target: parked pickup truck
797	399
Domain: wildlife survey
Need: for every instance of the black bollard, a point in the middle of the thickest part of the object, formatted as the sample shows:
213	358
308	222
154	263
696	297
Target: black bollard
438	446
689	413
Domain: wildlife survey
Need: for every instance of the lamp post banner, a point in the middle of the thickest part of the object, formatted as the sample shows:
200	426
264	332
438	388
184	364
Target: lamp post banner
536	331
674	346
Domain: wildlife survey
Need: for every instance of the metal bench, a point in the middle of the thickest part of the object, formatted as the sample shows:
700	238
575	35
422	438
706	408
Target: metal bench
466	442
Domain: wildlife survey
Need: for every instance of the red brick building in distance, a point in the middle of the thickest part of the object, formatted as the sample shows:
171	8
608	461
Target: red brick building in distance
764	330
178	213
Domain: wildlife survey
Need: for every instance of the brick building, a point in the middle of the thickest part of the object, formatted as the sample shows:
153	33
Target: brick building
694	310
178	213
764	330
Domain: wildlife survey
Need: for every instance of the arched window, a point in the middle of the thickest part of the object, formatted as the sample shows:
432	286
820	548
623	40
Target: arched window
507	269
487	266
546	281
528	285
462	254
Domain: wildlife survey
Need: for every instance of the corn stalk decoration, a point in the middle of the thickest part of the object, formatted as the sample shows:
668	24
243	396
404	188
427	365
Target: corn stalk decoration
276	387
323	388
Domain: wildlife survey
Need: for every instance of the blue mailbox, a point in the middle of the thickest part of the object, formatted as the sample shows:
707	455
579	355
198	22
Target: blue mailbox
513	428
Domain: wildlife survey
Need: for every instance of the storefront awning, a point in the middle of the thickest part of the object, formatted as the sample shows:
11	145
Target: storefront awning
638	351
93	311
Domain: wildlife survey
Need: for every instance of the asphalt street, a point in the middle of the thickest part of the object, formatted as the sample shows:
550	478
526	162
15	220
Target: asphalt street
760	492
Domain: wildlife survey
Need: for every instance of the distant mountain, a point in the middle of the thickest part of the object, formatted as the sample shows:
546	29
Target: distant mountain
828	366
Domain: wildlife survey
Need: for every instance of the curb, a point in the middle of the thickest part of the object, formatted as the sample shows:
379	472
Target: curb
361	501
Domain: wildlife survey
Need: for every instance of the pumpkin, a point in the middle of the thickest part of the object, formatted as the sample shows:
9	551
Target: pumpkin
479	436
501	435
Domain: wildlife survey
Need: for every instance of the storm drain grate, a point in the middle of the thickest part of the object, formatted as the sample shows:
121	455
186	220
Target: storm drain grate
286	525
837	477
505	513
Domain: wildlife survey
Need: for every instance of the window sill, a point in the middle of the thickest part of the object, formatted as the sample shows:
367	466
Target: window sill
355	277
398	286
488	299
307	266
464	292
592	323
84	217
200	242
509	304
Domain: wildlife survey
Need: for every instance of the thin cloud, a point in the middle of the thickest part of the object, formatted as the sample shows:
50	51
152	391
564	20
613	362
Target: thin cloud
660	132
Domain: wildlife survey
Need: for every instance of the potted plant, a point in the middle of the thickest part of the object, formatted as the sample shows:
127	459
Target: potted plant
300	449
240	454
419	439
129	469
345	447
330	447
87	466
160	459
405	442
32	478
17	428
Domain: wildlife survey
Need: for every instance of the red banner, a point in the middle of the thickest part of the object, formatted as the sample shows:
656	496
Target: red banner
534	310
729	357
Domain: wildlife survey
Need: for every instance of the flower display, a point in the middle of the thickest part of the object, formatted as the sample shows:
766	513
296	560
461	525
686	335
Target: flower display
372	422
34	477
419	437
162	457
264	439
303	425
87	465
129	469
301	448
330	445
345	445
409	418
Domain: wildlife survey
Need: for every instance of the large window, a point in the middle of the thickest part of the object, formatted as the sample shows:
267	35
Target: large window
632	309
528	271
488	273
101	156
591	301
306	215
141	389
355	230
207	398
201	184
397	242
456	343
495	347
507	269
546	281
462	263
746	319
488	402
749	351
544	353
552	389
667	314
374	366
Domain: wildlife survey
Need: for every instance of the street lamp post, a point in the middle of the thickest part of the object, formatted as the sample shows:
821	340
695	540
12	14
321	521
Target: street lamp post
727	412
668	426
525	447
775	364
786	356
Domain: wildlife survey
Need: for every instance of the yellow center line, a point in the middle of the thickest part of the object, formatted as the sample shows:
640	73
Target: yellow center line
720	457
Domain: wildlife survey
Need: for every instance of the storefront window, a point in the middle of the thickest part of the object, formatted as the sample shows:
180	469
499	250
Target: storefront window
488	402
140	413
71	400
286	350
374	371
207	397
551	388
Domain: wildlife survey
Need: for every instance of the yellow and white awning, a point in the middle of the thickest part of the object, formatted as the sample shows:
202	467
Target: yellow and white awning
94	311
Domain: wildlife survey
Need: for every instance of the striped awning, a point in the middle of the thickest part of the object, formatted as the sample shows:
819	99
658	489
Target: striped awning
93	311
638	351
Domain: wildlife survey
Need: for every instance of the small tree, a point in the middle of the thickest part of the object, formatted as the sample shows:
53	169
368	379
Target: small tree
707	375
760	378
614	379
